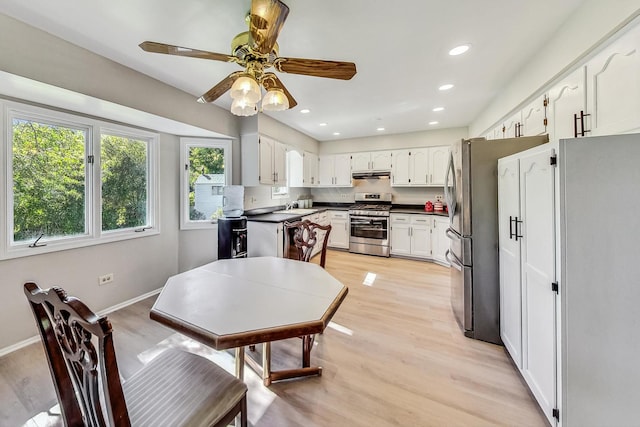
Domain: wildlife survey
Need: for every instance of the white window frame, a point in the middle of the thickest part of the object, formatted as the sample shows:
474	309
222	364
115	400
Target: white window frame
93	216
185	144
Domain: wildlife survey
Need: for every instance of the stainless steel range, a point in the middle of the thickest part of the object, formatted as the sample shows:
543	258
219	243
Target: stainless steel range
369	224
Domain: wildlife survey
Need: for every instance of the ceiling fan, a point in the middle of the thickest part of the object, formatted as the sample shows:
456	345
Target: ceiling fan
256	50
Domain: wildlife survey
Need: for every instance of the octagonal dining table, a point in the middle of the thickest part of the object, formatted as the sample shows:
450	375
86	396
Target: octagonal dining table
233	303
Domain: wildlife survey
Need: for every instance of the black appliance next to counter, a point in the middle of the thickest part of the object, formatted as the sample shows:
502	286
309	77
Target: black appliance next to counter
232	237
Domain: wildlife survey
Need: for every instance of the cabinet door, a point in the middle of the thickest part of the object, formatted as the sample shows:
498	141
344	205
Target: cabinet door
381	160
326	170
400	170
342	171
421	236
498	132
266	239
400	234
339	236
566	99
310	169
418	166
537	209
267	174
512	125
509	255
533	118
295	171
613	81
280	164
361	161
438	157
439	239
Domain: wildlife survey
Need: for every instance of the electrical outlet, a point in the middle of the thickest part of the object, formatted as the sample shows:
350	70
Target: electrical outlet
344	196
439	198
107	278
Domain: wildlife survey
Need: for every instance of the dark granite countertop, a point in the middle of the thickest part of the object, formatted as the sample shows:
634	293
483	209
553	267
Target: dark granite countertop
268	215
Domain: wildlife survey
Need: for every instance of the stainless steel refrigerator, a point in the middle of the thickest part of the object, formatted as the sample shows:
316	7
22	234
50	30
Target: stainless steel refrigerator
471	193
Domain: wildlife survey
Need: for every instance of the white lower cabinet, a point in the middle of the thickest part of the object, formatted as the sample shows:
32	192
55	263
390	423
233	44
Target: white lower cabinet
527	242
264	239
439	239
339	236
419	236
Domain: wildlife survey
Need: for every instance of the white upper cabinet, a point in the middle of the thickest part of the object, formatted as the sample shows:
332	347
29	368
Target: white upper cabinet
295	171
534	117
613	87
512	125
400	171
334	170
264	161
567	106
310	169
419	166
438	157
371	161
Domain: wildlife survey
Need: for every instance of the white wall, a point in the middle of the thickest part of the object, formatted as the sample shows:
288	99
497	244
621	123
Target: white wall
591	24
139	265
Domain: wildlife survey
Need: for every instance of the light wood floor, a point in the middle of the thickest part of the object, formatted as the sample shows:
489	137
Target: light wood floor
393	357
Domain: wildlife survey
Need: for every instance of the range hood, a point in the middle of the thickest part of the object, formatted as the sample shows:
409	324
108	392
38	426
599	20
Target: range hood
371	175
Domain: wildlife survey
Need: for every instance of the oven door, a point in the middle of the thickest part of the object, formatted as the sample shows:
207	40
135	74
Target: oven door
370	229
369	235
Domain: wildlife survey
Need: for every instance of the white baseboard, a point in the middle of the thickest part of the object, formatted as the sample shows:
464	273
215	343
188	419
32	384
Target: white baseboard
34	339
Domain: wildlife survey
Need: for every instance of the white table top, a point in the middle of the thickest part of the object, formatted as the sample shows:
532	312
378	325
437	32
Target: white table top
234	302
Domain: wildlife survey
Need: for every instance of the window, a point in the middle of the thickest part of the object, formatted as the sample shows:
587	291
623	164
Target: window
49	180
207	169
123	163
73	181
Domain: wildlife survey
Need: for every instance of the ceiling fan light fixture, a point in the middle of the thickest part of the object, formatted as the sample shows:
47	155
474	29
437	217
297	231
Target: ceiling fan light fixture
246	88
240	107
275	100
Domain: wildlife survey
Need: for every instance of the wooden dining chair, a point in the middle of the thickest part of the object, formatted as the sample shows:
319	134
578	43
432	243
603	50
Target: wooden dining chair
176	388
304	236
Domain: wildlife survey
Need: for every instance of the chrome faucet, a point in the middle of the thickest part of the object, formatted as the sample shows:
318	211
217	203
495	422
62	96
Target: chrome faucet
291	205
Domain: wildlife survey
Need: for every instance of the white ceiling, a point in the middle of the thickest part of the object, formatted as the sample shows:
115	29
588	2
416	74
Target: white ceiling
399	47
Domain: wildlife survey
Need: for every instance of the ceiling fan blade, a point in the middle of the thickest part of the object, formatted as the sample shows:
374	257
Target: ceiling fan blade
216	91
266	20
183	51
316	67
270	81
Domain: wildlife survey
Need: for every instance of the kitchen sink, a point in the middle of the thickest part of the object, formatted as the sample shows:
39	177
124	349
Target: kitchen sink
296	211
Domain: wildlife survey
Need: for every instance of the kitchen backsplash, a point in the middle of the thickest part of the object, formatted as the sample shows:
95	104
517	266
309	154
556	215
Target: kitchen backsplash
260	197
401	195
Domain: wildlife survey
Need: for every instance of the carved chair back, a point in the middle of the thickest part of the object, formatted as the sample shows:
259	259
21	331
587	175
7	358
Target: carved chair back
304	236
81	356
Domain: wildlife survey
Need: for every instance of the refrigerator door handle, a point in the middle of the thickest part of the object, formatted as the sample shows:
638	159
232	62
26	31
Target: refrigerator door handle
453	259
449	190
451	235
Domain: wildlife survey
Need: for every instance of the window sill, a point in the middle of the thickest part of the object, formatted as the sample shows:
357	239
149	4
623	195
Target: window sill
25	251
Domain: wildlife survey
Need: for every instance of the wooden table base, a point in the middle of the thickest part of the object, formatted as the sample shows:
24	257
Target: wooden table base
269	376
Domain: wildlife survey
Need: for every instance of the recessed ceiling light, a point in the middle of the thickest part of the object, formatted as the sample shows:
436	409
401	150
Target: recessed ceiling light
380	129
438	109
322	124
336	133
459	50
305	111
433	123
446	87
